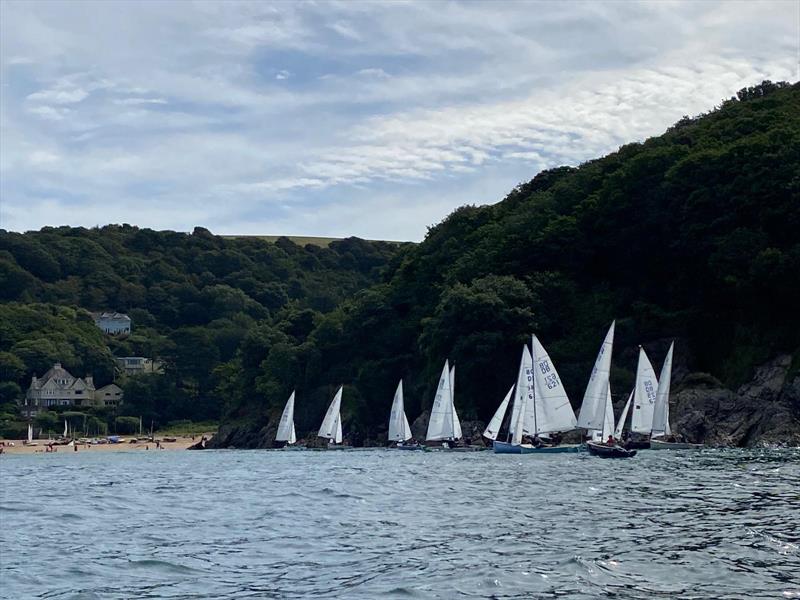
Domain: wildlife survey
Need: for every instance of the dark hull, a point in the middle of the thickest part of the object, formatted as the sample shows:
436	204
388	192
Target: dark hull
604	451
637	445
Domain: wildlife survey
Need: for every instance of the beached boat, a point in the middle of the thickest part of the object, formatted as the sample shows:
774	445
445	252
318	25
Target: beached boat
399	429
29	441
444	425
331	428
540	407
286	432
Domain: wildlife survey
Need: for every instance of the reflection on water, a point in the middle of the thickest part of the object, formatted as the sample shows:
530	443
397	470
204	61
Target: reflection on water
260	524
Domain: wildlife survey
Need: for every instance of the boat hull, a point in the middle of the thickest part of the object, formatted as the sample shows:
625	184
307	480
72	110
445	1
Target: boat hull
508	448
662	445
604	451
638	445
409	447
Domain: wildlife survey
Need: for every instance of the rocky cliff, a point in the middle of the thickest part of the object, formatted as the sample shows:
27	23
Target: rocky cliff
763	411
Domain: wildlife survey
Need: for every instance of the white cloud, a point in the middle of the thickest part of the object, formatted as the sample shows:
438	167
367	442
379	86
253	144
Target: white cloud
174	115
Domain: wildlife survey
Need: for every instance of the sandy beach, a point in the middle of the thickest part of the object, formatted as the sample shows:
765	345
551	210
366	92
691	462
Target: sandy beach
180	443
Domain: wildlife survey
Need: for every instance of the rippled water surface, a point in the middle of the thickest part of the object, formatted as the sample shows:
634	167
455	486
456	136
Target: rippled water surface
380	523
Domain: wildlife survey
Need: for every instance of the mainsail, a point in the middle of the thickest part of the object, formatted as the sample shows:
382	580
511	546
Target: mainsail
286	432
622	417
594	399
551	407
493	428
30	433
644	397
661	409
399	429
523	413
442	424
331	427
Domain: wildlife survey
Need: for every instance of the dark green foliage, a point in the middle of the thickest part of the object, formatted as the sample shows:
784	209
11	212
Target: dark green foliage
694	235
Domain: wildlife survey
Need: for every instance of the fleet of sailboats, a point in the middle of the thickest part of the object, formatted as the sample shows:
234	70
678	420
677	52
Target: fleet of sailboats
540	410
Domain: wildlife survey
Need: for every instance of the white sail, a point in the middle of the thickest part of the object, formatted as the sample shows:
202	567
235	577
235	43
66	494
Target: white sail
608	419
331	427
286	432
644	396
456	421
441	424
66	429
622	417
594	399
553	411
399	429
661	408
493	428
523	415
30	433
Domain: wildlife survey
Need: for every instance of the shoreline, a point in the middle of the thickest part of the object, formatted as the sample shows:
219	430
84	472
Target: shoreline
40	447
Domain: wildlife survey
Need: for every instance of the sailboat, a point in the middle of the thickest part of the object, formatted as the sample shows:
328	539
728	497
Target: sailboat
660	428
30	441
286	432
644	399
541	406
399	429
593	409
444	425
600	447
331	428
493	428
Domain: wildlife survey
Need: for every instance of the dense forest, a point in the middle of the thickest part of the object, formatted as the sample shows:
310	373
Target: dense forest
693	235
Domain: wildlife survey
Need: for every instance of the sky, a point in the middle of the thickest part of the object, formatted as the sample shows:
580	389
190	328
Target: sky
345	118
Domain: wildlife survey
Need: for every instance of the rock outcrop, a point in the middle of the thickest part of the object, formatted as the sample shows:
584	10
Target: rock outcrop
763	411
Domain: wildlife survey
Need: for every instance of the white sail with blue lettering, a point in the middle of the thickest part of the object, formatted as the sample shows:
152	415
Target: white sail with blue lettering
661	408
644	396
593	408
552	411
286	432
331	427
493	428
399	429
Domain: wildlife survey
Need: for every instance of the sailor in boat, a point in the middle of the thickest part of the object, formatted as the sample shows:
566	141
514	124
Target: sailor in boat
611	441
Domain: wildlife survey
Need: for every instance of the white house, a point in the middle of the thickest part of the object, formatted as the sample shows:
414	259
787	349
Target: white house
113	323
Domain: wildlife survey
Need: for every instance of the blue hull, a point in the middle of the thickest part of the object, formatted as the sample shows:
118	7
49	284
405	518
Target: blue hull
507	448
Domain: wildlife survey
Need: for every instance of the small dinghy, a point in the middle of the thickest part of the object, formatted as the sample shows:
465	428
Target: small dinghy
606	451
399	429
331	428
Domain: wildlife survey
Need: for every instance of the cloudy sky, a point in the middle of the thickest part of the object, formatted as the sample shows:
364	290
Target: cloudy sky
345	118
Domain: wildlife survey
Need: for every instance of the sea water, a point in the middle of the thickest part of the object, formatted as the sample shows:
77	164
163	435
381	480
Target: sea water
389	524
